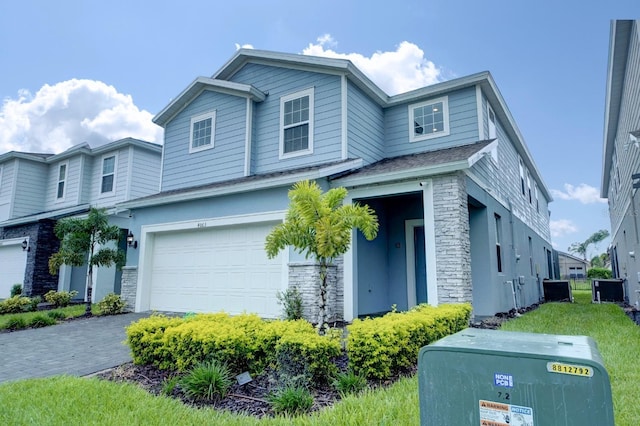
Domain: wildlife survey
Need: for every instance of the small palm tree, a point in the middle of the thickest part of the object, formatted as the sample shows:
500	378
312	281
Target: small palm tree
319	226
80	238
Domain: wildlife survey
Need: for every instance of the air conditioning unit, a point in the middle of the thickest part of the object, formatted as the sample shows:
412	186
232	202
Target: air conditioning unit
501	378
557	291
607	290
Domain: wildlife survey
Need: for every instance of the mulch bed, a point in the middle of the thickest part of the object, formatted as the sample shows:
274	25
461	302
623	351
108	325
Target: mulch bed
250	398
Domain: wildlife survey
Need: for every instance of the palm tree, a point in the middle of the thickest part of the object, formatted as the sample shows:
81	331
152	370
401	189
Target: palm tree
319	225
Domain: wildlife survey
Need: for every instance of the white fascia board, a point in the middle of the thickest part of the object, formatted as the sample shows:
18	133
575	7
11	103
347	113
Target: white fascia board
402	175
199	85
26	156
46	215
438	89
243	187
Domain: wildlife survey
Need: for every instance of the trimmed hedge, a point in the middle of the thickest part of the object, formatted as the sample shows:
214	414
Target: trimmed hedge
380	347
243	342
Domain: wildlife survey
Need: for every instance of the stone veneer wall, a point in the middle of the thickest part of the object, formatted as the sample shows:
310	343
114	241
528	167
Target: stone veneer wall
42	244
453	253
305	276
129	285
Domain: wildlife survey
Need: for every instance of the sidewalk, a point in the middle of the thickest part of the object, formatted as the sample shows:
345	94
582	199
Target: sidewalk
77	348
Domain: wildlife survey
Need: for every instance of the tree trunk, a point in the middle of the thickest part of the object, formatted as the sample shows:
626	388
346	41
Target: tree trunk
322	307
87	310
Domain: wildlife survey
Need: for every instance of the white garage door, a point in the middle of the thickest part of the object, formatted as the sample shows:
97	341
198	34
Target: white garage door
13	261
215	269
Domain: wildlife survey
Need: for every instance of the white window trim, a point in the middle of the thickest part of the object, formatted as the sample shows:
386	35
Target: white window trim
102	175
308	92
490	111
444	132
201	117
66	178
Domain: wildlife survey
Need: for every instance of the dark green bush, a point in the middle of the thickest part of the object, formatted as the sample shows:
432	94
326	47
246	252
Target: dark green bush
291	301
207	381
16	290
15	323
349	382
41	321
602	273
112	304
33	303
291	400
60	299
56	315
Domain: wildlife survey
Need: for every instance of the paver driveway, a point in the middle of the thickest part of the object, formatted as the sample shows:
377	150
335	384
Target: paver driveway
78	348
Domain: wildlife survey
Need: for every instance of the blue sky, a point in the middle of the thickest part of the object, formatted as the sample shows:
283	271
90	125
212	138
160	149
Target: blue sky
75	71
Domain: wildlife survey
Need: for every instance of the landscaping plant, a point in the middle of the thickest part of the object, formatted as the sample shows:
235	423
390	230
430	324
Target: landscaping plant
207	381
16	304
319	225
349	383
112	304
15	323
291	400
87	241
16	290
60	299
291	301
41	320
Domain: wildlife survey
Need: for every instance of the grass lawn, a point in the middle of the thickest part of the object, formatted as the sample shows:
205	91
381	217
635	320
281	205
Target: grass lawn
78	401
69	311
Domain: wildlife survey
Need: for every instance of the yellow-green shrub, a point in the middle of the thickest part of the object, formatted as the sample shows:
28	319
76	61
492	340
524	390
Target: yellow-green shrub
310	350
379	347
145	338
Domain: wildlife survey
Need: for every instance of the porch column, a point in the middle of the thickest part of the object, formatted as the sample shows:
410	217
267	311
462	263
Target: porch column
430	242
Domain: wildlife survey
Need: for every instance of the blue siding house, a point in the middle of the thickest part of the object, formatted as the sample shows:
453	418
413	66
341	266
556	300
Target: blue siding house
463	209
38	189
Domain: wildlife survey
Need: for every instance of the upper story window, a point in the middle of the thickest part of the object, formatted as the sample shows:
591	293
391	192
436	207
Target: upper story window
498	222
296	124
202	132
108	174
529	187
429	119
535	191
62	178
492	123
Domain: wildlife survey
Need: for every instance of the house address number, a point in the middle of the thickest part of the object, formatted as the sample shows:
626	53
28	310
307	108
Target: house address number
202	224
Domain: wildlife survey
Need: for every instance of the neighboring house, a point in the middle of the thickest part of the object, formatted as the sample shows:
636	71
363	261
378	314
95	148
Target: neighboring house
621	156
38	189
572	267
461	204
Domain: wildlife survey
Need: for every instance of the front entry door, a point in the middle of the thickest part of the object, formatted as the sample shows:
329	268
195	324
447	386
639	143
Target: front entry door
420	265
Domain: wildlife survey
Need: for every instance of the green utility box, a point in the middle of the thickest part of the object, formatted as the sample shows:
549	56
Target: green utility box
501	378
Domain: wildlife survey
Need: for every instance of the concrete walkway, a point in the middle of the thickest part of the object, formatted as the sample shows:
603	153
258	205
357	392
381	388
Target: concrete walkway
77	348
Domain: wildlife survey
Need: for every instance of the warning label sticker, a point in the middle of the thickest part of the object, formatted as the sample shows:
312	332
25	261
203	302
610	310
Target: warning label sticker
499	414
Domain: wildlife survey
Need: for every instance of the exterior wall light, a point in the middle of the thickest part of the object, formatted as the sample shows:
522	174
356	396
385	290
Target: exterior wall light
25	245
131	242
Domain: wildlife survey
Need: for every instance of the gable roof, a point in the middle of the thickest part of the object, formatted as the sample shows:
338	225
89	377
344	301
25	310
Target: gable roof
339	66
572	257
418	165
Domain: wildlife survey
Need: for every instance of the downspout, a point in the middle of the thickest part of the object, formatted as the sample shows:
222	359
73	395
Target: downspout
514	257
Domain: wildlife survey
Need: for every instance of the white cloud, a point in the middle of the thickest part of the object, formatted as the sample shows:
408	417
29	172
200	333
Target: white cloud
395	72
243	46
71	112
584	193
562	227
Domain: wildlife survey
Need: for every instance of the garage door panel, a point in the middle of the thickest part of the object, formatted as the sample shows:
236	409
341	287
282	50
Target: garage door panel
215	269
13	261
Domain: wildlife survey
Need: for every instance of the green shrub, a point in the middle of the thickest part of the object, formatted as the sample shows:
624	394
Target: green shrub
15	323
307	357
41	321
291	301
349	382
291	400
602	273
169	384
33	303
207	381
16	290
57	315
380	347
60	299
112	304
15	305
145	339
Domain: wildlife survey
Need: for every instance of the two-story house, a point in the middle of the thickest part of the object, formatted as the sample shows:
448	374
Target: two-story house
38	189
461	204
621	154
